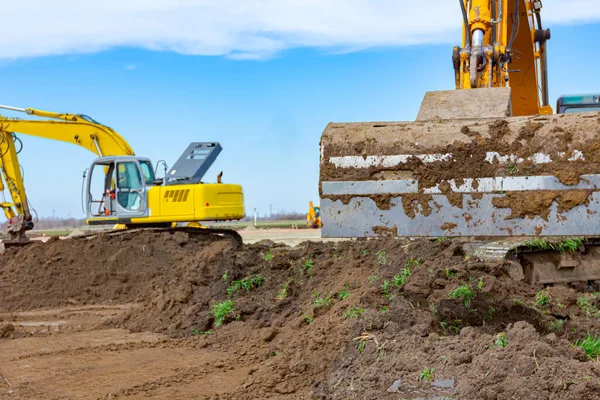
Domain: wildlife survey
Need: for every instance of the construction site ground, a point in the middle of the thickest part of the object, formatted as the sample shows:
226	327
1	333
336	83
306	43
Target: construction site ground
155	315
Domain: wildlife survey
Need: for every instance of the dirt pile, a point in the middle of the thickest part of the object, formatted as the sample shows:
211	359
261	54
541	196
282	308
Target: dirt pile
358	319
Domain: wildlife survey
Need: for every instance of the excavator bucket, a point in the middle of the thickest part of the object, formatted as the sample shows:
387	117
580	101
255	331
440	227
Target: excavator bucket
464	168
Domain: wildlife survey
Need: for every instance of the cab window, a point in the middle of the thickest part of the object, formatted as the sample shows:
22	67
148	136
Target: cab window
147	172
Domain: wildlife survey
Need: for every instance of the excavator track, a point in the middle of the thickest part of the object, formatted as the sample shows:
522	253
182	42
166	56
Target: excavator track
234	237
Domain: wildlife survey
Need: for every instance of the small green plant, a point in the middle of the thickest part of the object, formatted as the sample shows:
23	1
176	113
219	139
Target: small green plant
283	292
344	293
319	301
585	305
353	312
400	279
308	319
450	274
309	264
426	374
381	257
385	290
268	256
480	284
542	299
557	325
501	340
464	293
221	311
441	239
591	346
384	309
251	282
198	332
413	261
513	169
570	245
361	346
364	252
372	278
225	277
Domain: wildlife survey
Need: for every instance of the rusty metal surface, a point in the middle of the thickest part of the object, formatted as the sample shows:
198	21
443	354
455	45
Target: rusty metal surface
361	215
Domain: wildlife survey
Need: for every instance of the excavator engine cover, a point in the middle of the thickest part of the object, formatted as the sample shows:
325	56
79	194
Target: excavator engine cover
476	174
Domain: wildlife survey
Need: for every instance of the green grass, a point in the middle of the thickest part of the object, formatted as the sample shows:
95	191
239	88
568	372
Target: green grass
584	304
501	340
450	274
542	299
251	282
385	290
225	277
569	245
344	293
309	264
361	346
221	311
427	374
464	293
400	279
372	278
283	293
591	346
308	319
268	256
319	301
353	312
413	262
513	169
381	257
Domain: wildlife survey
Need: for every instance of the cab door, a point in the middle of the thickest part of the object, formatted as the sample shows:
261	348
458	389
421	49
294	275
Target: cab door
130	193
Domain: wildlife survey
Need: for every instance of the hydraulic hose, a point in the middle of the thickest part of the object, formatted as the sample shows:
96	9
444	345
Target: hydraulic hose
465	21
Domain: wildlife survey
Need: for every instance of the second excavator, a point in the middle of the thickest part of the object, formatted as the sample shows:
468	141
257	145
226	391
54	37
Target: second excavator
120	188
488	161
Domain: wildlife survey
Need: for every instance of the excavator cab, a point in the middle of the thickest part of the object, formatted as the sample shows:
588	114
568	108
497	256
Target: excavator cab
117	187
124	190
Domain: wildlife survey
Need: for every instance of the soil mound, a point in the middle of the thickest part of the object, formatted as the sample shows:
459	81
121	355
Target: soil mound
360	319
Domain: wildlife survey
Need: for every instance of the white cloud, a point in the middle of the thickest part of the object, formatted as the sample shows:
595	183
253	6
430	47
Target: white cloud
130	67
241	29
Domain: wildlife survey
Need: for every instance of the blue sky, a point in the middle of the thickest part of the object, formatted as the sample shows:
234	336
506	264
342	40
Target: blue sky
267	104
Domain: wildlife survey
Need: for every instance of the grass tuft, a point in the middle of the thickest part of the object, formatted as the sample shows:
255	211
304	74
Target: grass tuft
591	346
251	282
400	279
464	293
354	312
427	374
221	311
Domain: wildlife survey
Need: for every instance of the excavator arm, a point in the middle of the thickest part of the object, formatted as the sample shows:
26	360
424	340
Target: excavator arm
504	43
70	128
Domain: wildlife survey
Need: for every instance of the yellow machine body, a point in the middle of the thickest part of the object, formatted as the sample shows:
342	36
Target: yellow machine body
186	203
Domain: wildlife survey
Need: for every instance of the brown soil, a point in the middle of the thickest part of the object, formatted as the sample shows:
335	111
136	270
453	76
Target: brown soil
340	329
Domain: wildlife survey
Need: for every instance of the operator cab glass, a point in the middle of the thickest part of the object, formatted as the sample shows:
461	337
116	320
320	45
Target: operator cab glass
578	103
116	187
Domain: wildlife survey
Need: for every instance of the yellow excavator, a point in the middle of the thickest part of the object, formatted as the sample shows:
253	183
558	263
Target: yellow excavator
313	216
120	188
488	161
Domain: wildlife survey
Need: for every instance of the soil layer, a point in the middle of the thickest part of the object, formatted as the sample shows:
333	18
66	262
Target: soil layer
364	319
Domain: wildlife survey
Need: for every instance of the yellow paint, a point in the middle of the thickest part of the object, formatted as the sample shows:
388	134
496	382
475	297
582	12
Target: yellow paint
525	68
